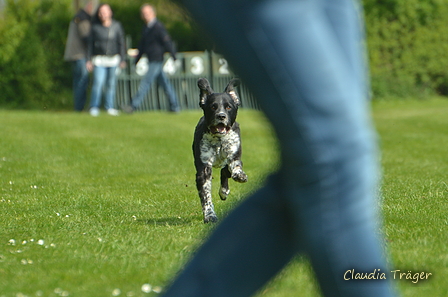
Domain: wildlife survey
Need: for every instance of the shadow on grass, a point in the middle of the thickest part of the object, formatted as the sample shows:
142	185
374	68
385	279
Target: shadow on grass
172	221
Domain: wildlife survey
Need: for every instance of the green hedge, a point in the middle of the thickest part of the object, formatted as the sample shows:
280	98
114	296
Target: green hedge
407	42
408	47
30	66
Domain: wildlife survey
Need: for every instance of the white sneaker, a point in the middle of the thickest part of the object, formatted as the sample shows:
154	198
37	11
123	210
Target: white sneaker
113	112
94	111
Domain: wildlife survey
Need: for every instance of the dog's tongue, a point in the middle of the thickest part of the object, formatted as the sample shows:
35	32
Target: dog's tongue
221	129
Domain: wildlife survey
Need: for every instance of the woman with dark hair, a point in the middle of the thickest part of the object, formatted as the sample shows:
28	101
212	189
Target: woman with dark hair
106	51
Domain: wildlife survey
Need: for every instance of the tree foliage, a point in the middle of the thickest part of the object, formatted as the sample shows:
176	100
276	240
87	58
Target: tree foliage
408	46
30	42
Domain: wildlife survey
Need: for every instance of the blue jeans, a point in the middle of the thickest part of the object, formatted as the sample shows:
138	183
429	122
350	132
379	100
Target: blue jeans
155	71
103	77
304	62
80	83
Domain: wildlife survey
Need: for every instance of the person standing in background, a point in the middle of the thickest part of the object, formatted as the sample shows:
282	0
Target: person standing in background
76	52
106	51
154	43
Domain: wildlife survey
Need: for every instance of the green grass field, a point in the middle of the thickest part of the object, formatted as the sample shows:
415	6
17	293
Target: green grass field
106	206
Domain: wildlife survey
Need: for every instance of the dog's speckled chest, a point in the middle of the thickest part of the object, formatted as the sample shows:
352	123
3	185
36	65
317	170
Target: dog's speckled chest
218	151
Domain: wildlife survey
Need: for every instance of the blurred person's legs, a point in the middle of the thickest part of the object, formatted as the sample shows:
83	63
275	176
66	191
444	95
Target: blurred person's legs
154	69
111	82
99	78
80	83
304	62
163	81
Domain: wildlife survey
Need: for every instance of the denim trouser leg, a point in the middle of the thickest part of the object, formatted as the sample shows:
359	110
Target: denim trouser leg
154	68
99	78
111	82
303	61
163	80
80	83
103	77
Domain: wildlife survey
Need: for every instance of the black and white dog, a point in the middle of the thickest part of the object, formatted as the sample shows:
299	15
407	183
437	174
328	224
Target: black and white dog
217	143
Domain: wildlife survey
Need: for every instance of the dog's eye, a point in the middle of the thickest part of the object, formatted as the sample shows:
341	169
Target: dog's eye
228	107
214	107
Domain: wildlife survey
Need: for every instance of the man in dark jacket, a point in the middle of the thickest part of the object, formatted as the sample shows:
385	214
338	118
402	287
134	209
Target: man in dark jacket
154	43
76	51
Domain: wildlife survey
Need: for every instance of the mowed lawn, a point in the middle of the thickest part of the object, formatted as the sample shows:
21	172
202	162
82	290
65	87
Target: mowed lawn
107	206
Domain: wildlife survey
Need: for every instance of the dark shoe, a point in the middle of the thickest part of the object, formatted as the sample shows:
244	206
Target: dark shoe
127	108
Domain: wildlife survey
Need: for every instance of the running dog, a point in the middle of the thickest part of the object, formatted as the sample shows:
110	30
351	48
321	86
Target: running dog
217	143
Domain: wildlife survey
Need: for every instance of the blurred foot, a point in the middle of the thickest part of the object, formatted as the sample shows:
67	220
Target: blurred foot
127	108
94	111
113	112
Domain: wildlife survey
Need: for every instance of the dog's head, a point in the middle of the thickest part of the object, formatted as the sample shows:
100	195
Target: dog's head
220	109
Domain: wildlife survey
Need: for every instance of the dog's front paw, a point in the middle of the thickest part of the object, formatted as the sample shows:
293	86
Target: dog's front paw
209	214
212	218
239	176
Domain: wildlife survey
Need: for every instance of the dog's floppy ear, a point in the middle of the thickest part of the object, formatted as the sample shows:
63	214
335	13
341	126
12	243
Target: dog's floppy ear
206	90
231	90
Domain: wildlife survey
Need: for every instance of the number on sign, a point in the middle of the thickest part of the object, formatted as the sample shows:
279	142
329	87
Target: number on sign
170	67
224	68
197	65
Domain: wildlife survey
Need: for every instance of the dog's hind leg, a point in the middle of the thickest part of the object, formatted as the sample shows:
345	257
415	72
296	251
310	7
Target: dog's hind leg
204	186
224	188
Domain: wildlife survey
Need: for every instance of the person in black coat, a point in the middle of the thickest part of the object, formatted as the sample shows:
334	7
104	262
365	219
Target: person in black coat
154	43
